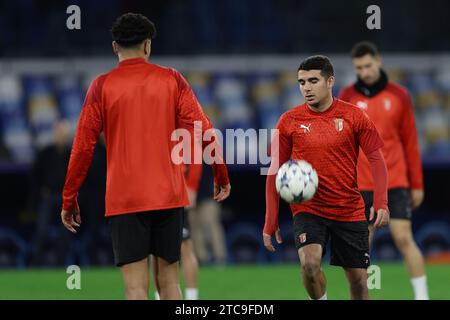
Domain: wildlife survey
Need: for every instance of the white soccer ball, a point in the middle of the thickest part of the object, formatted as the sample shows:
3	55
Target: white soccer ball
296	181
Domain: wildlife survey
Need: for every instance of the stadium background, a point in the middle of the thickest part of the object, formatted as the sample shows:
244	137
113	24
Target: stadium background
240	57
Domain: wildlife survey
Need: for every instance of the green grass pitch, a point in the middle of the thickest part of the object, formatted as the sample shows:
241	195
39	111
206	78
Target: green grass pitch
276	281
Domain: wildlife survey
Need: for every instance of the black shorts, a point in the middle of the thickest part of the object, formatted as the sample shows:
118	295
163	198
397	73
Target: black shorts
137	235
186	225
349	240
399	203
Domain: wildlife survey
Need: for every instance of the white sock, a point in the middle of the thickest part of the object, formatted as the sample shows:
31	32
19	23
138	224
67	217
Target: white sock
420	288
157	297
324	297
191	293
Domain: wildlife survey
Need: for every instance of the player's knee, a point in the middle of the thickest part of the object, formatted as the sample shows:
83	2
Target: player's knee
358	285
167	278
310	267
403	242
168	286
189	261
136	292
358	282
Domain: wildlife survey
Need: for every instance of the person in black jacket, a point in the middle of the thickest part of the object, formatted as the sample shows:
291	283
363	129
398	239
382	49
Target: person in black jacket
47	178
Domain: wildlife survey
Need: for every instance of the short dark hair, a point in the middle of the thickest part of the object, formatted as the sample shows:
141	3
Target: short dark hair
318	62
364	47
130	29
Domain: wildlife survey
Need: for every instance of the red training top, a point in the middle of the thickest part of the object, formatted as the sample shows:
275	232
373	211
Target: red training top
392	113
138	106
330	142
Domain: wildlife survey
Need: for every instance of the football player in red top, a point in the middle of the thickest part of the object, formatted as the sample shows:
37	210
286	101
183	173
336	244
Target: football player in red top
138	106
327	133
389	107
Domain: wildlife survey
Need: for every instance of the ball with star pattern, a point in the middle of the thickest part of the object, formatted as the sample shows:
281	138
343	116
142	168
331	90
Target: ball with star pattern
296	181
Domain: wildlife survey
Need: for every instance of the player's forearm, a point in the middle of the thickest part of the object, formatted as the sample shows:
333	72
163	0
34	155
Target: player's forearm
214	153
280	150
410	142
415	175
272	206
220	173
204	143
414	163
80	160
76	173
380	178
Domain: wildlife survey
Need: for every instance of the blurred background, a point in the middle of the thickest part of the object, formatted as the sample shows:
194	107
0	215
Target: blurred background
241	57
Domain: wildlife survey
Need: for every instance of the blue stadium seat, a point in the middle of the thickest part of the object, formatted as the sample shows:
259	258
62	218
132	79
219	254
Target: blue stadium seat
265	93
70	98
16	135
230	92
42	109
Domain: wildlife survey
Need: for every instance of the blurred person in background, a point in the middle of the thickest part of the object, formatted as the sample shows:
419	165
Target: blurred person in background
4	152
91	198
389	106
189	263
47	179
207	234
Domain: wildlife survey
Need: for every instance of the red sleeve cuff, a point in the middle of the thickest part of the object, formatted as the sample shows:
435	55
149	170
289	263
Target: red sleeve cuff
416	185
220	173
70	204
380	179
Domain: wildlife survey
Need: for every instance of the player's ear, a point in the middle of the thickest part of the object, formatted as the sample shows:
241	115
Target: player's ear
115	48
379	60
330	81
147	47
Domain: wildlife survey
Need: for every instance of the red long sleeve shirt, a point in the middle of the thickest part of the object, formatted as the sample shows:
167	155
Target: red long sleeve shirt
330	142
138	106
392	113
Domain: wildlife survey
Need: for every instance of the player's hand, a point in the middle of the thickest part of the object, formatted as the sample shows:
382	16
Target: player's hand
192	195
71	219
417	196
267	239
221	192
382	217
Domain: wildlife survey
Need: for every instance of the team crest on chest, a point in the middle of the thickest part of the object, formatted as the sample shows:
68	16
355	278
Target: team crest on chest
387	104
339	124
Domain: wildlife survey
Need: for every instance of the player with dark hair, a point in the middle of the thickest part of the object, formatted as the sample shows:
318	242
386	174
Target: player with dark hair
327	133
389	107
130	29
138	106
